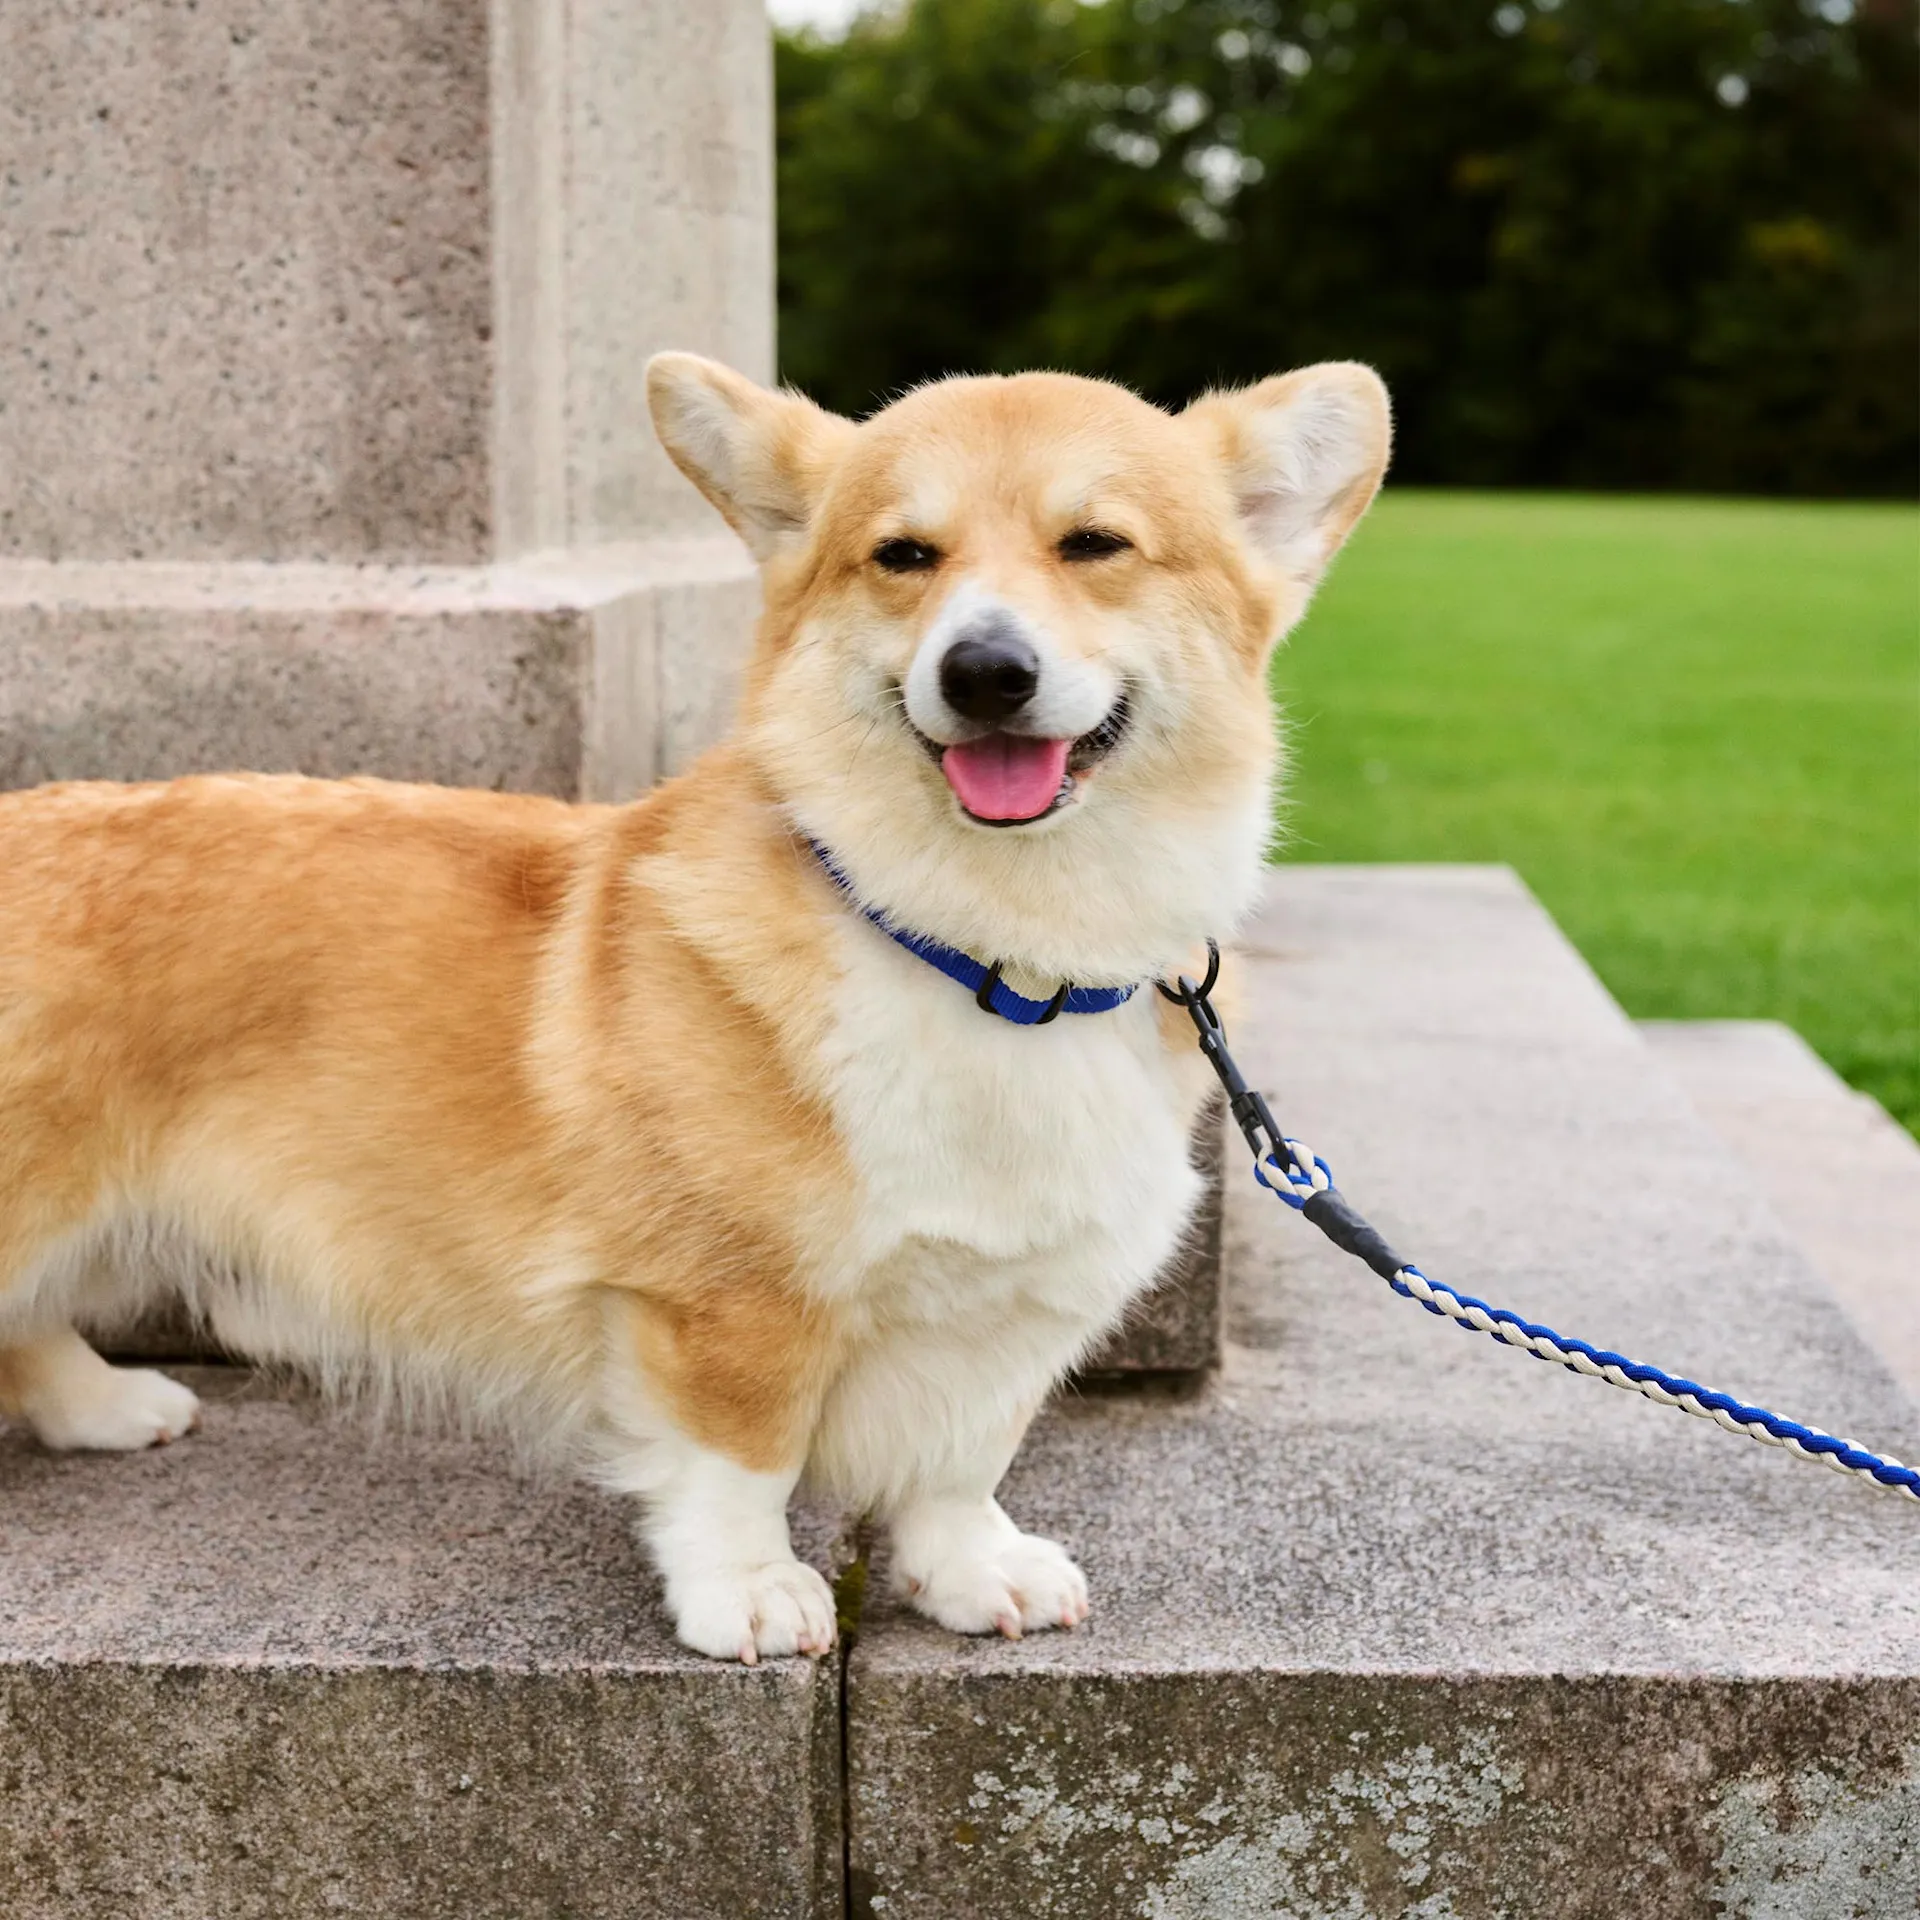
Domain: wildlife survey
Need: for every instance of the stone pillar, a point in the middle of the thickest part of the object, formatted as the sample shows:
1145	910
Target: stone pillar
323	439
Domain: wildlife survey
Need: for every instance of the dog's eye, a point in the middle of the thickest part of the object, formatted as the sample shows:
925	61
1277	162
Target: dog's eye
1092	543
905	556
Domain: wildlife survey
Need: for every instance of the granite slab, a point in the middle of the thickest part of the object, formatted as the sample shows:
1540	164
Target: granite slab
351	280
292	1665
1842	1174
1389	1620
585	675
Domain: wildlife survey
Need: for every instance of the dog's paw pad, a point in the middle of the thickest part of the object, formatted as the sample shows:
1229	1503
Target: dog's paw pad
122	1410
1021	1584
744	1613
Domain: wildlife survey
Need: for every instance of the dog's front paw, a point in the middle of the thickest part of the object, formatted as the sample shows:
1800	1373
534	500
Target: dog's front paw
1016	1583
114	1410
739	1613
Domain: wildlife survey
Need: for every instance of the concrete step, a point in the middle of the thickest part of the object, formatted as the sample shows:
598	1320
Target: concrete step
281	1670
1175	1327
1391	1621
586	673
1839	1170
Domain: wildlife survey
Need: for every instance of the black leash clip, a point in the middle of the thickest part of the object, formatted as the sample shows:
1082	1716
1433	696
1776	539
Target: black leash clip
1249	1108
1324	1206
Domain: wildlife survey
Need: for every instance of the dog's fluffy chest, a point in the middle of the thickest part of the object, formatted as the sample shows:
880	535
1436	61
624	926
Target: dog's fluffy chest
1000	1166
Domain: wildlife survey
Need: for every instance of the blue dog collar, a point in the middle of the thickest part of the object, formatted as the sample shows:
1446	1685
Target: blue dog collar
991	994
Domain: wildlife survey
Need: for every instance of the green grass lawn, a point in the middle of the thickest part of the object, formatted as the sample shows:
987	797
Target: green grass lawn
1692	725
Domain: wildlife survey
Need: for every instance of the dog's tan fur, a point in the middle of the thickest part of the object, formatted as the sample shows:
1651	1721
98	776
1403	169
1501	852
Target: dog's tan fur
538	1099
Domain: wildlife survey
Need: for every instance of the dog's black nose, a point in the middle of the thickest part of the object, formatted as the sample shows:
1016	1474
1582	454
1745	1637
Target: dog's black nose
989	673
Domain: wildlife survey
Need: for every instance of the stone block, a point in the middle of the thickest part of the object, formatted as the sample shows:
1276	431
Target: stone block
367	280
1839	1170
1390	1620
1175	1328
587	675
289	1667
1248	1794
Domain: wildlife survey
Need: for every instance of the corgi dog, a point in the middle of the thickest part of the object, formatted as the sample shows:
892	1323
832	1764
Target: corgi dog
807	1117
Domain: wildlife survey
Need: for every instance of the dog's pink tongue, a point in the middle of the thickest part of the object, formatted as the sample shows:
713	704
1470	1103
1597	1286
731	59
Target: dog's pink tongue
1006	776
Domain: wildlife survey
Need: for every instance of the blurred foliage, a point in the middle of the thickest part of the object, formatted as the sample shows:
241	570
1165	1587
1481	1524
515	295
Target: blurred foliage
1615	243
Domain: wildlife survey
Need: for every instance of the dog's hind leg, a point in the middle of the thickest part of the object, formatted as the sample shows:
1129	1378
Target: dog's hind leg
53	1381
57	1171
72	1399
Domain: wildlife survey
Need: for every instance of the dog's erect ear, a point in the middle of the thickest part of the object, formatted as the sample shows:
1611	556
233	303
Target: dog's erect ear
762	458
1304	454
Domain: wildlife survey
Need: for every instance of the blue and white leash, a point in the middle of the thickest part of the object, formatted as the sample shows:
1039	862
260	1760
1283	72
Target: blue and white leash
1297	1175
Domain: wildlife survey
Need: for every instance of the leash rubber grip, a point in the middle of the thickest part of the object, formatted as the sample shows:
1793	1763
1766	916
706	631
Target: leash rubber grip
1330	1213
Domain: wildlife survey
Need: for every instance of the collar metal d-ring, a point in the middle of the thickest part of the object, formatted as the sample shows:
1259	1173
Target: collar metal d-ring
984	998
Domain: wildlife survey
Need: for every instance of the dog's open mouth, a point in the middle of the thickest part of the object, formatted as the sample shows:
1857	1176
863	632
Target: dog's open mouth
1010	779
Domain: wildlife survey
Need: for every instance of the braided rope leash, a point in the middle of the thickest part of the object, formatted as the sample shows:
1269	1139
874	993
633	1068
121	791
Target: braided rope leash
1297	1175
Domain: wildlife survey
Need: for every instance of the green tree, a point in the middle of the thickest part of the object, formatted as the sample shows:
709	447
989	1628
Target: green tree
1596	242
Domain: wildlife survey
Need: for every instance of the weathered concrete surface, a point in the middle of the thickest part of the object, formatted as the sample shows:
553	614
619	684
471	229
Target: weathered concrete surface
1390	1621
1370	1797
288	1667
1176	1327
633	144
1839	1170
367	279
584	675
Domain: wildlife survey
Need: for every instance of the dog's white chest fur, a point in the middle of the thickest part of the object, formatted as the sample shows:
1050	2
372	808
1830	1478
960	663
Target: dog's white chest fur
1004	1171
1017	1186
